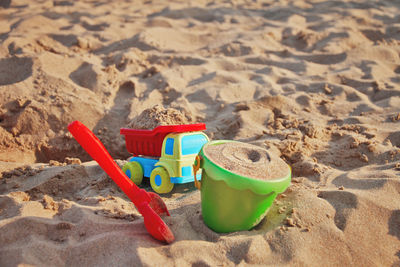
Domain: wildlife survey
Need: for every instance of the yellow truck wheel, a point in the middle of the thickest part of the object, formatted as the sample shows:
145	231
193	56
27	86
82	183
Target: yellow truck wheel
134	171
160	181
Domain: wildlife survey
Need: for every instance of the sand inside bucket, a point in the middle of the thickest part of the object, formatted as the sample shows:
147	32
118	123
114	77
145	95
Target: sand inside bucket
247	160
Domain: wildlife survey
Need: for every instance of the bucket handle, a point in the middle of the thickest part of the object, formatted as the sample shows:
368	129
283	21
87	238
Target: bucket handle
196	167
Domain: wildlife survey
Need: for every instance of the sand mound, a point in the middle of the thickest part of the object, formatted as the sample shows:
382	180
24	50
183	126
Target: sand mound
158	115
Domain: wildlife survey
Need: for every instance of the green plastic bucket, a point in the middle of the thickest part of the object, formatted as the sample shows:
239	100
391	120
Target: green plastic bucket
231	202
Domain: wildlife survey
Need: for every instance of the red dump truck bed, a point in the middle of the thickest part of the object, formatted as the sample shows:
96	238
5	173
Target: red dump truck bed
149	142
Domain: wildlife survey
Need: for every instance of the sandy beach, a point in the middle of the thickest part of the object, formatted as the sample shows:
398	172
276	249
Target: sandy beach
315	82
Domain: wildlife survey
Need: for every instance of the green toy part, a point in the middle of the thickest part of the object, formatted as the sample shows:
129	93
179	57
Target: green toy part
160	181
231	202
134	171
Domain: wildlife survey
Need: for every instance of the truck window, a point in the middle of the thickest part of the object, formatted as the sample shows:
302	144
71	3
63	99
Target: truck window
169	146
191	144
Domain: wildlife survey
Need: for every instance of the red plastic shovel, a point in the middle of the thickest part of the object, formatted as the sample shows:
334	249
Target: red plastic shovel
149	204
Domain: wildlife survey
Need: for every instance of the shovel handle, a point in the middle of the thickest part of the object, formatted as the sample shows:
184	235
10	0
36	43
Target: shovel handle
97	151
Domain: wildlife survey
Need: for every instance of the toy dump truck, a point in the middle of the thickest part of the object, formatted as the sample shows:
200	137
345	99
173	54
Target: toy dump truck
165	154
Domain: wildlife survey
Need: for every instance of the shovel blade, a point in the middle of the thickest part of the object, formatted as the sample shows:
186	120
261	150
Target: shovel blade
155	225
157	204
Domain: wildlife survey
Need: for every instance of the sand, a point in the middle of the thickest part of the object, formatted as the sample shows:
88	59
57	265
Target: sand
158	115
247	160
314	82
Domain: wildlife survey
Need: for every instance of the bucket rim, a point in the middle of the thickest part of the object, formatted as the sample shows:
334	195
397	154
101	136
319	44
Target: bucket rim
241	182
